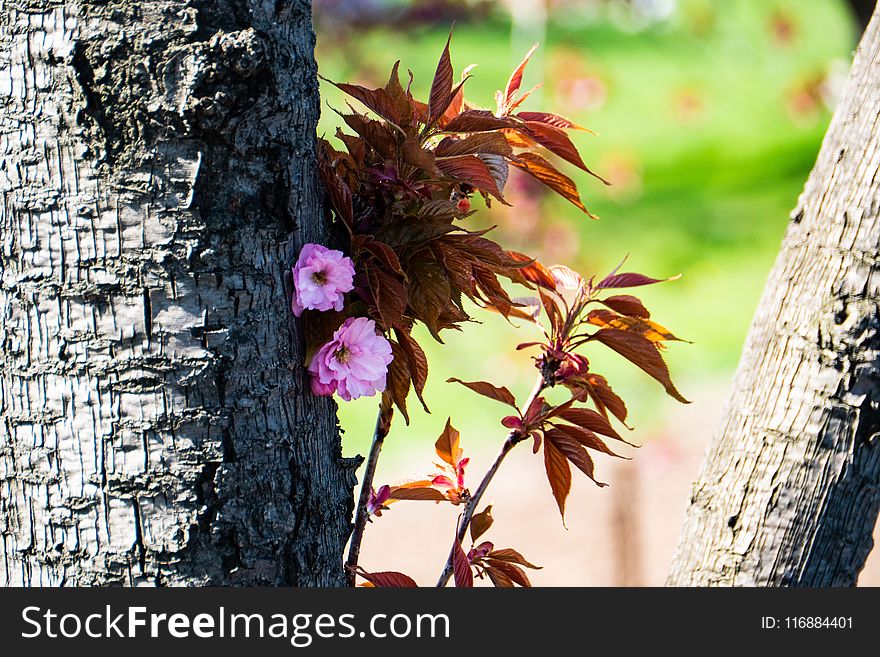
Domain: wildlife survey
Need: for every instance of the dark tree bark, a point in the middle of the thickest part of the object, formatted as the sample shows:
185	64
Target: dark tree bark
157	176
790	489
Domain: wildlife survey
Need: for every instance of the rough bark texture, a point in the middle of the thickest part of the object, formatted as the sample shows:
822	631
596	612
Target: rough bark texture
155	159
790	489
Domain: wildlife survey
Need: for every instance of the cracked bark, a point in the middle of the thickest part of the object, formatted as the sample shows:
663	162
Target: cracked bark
156	171
790	488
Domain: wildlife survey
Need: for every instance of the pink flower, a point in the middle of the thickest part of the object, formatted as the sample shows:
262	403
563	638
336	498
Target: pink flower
321	277
354	363
376	503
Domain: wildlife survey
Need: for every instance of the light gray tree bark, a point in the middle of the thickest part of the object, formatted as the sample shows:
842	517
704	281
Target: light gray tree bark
157	177
790	489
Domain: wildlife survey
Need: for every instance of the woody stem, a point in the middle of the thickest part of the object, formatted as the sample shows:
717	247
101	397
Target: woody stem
471	505
361	514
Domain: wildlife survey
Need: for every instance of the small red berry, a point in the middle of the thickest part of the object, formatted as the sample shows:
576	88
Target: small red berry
463	204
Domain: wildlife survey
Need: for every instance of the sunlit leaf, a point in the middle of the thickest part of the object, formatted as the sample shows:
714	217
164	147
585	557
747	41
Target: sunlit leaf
540	169
464	577
481	522
501	394
642	353
447	445
558	474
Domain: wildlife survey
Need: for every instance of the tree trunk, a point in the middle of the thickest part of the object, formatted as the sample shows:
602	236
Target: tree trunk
790	489
157	176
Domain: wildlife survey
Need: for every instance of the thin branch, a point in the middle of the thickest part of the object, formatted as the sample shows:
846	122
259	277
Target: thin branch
361	515
474	501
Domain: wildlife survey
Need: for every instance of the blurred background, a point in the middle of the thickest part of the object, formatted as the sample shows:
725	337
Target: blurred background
710	116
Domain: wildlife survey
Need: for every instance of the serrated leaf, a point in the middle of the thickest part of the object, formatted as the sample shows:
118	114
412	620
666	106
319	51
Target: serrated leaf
417	362
471	169
511	555
500	394
596	388
417	493
447	445
511	571
499	579
544	172
572	450
587	438
558	143
389	579
642	353
480	523
498	167
441	87
629	279
481	142
626	304
549	118
589	419
534	271
389	295
464	577
515	80
558	474
480	121
645	327
398	379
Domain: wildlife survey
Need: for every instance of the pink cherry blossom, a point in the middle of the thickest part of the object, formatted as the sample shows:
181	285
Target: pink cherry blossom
354	363
321	277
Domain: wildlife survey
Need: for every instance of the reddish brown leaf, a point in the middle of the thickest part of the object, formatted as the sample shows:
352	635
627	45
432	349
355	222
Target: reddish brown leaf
642	353
389	579
509	570
645	327
471	169
419	157
540	169
513	84
498	167
589	419
549	118
464	577
552	309
480	121
572	450
377	100
534	271
416	360
389	295
480	523
398	379
501	394
376	134
338	190
417	493
511	555
480	142
626	304
587	438
597	388
447	445
441	86
558	474
557	142
384	253
399	97
629	279
499	579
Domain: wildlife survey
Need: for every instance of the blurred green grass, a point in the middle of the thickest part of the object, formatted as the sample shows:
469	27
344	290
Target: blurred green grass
709	123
